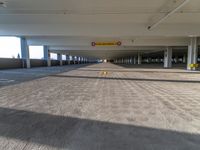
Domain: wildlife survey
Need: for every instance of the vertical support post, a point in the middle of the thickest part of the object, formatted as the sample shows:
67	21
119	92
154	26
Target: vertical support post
131	60
81	60
139	59
168	58
47	56
78	59
25	53
192	53
176	59
67	59
59	57
149	60
134	60
184	58
74	59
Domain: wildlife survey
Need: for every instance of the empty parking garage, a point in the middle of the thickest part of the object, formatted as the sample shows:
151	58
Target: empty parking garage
106	75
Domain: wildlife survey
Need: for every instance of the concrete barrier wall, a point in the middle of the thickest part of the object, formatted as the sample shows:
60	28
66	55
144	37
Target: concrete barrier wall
55	62
64	62
9	63
38	63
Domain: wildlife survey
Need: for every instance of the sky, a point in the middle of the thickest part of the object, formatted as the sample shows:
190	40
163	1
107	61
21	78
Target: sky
10	48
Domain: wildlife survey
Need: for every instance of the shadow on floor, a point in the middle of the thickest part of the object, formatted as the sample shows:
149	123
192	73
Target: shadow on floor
152	66
84	134
139	71
125	79
15	76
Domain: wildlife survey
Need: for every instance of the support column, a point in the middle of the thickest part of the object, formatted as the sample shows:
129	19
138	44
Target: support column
73	60
134	60
25	53
148	60
192	53
131	60
81	60
119	61
168	58
77	59
184	59
59	57
176	60
47	56
139	59
68	59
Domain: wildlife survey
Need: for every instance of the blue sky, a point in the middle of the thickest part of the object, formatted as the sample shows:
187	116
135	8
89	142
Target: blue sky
10	48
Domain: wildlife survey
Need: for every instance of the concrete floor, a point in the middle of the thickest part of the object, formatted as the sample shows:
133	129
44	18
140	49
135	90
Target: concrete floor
103	107
15	76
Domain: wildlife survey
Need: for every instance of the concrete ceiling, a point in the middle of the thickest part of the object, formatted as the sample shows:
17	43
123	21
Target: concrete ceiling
69	26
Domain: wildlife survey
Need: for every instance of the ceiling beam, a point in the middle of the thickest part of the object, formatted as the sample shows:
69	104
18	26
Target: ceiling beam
167	15
126	41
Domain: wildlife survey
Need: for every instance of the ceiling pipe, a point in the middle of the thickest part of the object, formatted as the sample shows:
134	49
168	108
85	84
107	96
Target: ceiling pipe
168	15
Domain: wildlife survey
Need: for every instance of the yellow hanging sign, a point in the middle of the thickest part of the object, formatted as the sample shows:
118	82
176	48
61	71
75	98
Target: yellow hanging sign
117	43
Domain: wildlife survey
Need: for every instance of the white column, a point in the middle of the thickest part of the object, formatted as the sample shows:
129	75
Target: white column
131	60
59	57
25	53
192	53
148	60
77	58
74	59
168	58
47	56
139	59
176	59
81	60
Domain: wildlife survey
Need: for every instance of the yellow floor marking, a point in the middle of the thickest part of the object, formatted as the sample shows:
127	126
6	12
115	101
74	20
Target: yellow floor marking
104	73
